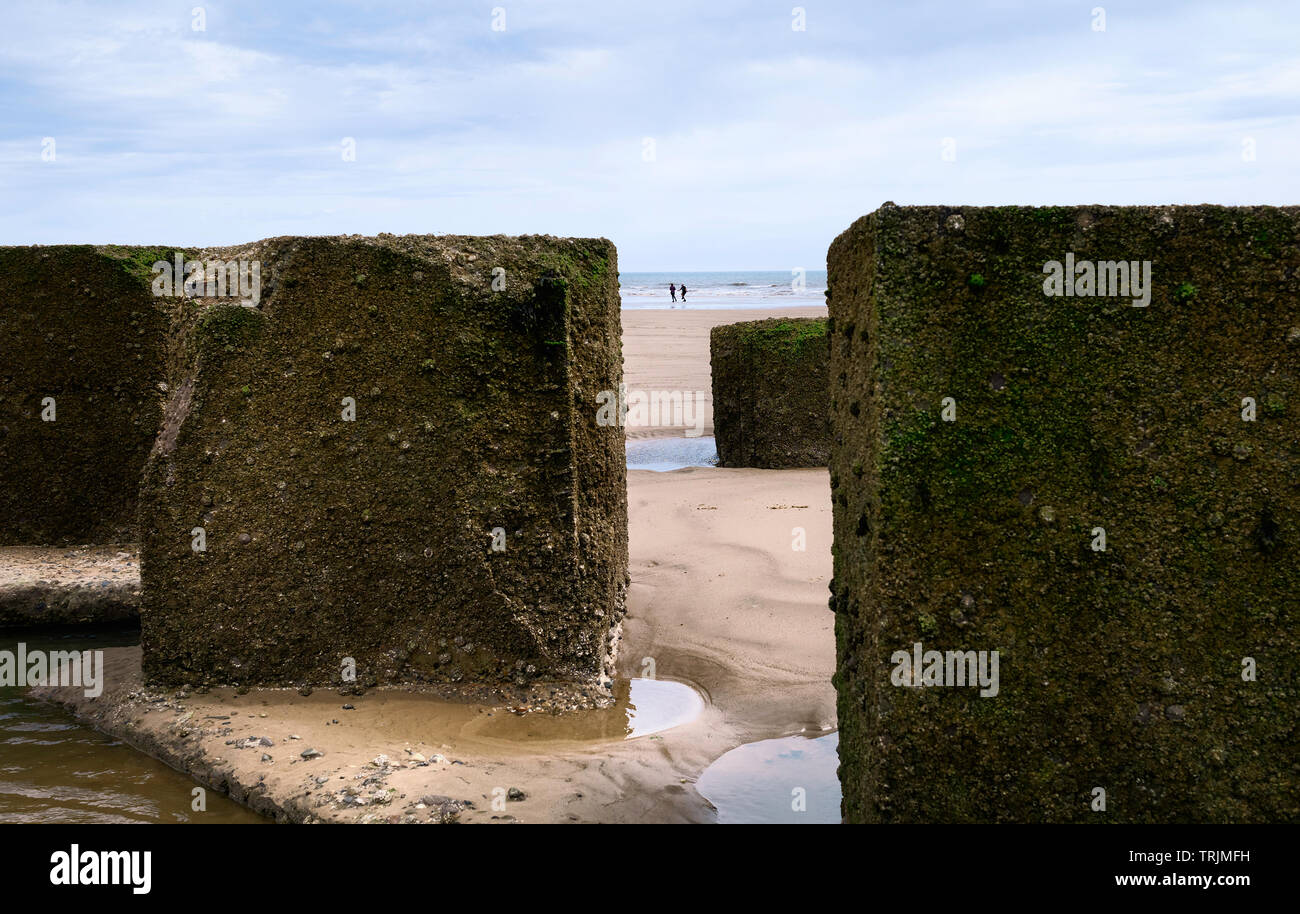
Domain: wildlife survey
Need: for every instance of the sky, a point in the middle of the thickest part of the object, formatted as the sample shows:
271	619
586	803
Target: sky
694	135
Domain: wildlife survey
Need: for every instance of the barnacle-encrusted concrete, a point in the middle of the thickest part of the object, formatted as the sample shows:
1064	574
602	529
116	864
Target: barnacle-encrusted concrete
1126	670
349	447
770	399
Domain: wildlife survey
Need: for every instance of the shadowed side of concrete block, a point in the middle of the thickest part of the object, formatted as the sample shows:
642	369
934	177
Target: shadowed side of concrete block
81	358
395	459
1070	481
770	393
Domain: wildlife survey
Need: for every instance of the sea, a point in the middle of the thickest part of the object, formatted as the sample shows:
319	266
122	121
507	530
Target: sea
720	289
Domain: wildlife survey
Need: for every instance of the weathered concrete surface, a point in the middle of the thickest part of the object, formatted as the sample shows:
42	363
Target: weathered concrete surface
1119	669
68	586
371	539
770	393
78	325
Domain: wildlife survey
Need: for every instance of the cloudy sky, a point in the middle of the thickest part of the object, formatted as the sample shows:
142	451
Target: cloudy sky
695	135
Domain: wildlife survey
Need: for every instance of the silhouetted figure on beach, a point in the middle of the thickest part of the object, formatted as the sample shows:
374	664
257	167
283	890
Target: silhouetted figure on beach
683	293
672	290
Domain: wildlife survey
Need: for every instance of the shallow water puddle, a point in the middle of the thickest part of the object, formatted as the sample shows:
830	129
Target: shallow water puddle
659	704
665	454
765	782
641	707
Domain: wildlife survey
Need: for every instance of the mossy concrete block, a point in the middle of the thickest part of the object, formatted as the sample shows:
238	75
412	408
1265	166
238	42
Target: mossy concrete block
1160	670
81	356
344	453
770	398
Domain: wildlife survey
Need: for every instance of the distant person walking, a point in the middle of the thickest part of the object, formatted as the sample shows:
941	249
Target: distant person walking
672	290
683	293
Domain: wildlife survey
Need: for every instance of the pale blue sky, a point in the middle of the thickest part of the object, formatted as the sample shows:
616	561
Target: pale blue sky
767	141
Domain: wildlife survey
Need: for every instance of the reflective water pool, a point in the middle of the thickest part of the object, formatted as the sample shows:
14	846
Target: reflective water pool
791	781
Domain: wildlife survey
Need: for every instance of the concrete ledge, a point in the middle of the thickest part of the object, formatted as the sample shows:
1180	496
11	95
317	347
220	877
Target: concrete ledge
69	585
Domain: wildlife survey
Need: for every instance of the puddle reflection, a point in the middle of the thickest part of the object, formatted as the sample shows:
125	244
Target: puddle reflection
766	782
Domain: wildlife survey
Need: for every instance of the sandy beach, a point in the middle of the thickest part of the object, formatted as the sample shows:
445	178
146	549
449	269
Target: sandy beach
720	600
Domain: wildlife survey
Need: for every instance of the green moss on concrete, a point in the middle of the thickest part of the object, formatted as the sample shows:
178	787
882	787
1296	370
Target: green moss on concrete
1119	669
770	393
786	338
138	261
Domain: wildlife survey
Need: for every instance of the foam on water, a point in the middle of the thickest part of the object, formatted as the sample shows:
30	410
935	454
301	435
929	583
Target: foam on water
722	289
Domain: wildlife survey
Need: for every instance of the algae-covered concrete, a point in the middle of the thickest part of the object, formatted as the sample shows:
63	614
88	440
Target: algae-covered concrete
770	399
392	464
1149	676
81	357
